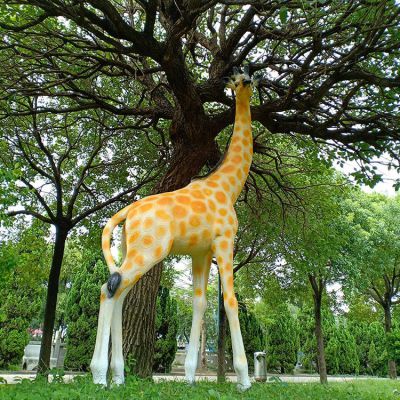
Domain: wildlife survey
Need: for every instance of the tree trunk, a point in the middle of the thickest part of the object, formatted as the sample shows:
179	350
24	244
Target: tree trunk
51	301
203	353
221	371
392	370
139	308
318	288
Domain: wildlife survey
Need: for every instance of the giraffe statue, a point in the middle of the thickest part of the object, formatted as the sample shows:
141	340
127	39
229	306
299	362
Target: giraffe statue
198	220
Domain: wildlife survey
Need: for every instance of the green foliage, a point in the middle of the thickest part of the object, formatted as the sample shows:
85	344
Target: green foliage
166	331
21	290
371	347
282	341
82	305
83	389
341	351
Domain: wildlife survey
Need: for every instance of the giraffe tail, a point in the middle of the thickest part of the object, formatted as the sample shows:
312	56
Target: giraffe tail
106	237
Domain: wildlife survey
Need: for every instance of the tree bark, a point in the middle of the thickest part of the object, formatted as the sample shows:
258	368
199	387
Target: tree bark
139	308
318	288
51	301
221	371
392	369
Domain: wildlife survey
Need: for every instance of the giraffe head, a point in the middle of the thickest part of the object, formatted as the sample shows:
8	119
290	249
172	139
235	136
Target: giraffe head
240	83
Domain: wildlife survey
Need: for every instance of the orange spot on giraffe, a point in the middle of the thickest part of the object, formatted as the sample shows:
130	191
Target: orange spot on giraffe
165	201
146	207
158	252
198	194
209	218
148	240
183	199
211	204
182	228
193	239
198	206
162	215
206	234
148	223
246	141
194	221
198	292
207	191
232	302
102	296
212	184
228	266
224	245
232	180
247	157
139	260
221	197
132	253
236	148
239	174
179	211
228	234
133	237
228	168
223	211
225	186
237	159
161	231
231	220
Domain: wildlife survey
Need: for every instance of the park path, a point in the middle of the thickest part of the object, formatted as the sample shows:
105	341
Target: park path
16	377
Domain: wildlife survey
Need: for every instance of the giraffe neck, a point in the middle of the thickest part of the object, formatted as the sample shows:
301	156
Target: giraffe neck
233	171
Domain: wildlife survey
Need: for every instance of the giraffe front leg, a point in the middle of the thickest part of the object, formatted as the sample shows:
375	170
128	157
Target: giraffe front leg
201	268
99	363
224	255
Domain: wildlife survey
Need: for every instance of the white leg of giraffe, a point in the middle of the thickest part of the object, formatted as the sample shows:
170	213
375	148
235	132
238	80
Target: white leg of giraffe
201	269
130	275
99	363
224	255
117	357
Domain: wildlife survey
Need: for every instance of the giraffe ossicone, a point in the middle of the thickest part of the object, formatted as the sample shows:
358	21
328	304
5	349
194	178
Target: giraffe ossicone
198	220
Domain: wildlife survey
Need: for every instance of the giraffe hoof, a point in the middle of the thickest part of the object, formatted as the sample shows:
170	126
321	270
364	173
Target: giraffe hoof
242	387
117	380
190	382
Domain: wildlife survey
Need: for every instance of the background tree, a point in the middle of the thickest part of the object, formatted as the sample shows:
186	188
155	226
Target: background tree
22	290
166	331
282	340
162	63
61	170
82	310
376	222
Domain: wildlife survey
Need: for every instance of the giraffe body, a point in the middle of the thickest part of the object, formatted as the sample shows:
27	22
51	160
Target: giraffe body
198	220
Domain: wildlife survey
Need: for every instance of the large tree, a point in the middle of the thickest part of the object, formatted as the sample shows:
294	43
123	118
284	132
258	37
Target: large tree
62	166
320	59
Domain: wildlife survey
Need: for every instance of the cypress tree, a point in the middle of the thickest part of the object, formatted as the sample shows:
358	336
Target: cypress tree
283	341
82	308
166	331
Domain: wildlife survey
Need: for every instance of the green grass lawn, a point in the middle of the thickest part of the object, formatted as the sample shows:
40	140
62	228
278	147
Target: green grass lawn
82	388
